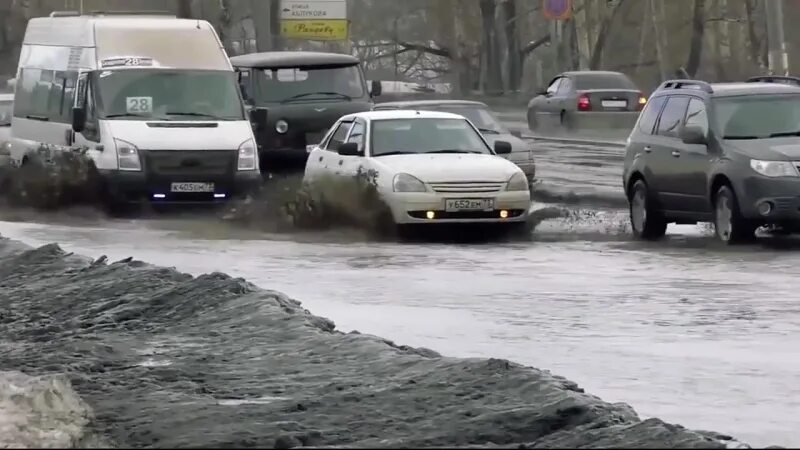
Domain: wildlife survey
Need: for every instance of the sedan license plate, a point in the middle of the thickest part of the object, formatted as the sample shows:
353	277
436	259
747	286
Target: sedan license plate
192	187
615	104
468	204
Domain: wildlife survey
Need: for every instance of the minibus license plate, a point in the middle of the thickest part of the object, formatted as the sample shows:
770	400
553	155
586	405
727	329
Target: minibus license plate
192	187
468	204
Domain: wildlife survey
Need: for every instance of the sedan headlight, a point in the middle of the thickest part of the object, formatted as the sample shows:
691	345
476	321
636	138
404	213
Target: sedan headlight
404	182
281	126
247	156
774	168
127	156
518	182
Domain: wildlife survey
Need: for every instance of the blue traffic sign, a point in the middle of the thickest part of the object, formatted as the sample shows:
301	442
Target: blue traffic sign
557	9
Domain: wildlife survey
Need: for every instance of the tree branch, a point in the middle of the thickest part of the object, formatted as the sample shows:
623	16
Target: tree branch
525	51
443	52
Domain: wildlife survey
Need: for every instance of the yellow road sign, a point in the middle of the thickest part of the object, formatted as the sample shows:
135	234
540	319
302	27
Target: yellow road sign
318	30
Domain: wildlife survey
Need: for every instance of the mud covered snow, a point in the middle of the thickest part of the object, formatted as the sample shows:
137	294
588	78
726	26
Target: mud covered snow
143	355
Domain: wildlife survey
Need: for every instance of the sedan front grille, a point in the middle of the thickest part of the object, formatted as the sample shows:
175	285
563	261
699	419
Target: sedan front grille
468	186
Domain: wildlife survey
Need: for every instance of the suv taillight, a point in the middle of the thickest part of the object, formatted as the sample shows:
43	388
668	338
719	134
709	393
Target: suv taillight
583	103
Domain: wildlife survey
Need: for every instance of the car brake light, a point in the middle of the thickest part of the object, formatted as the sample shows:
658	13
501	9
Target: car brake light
642	101
583	103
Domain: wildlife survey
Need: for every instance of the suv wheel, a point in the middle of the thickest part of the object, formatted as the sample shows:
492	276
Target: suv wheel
646	221
729	226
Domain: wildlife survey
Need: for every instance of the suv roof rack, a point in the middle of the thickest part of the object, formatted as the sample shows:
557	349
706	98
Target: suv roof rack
774	79
686	84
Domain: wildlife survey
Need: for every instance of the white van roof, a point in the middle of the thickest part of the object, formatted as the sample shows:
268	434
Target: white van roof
169	41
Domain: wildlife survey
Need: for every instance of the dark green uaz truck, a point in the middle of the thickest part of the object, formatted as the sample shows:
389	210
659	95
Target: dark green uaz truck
304	93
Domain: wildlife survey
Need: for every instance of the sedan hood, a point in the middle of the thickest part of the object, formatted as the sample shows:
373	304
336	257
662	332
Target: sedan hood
777	148
440	168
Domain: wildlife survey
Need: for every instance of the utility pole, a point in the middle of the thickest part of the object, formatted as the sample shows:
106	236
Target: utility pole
275	24
778	58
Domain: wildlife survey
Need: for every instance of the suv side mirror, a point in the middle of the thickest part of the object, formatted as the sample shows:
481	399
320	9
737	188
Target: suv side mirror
78	119
349	149
502	147
693	134
258	117
375	88
516	132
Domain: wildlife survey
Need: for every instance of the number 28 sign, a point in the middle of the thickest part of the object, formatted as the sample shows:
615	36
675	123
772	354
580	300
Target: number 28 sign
557	9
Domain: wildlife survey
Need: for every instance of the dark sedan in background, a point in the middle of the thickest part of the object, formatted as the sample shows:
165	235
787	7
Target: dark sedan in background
482	117
586	99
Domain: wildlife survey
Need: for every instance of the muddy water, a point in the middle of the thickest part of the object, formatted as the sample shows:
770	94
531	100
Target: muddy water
683	330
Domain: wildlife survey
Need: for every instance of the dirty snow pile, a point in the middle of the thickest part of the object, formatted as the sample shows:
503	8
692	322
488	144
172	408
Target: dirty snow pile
165	359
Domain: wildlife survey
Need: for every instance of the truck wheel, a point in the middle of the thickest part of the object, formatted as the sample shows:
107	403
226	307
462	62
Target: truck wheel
647	221
729	226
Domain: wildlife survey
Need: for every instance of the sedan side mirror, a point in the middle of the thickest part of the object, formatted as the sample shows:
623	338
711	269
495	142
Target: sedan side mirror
517	133
376	88
544	92
258	117
78	119
693	134
502	147
349	149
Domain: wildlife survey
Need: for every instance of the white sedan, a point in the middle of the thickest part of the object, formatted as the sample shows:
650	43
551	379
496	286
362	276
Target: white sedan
431	167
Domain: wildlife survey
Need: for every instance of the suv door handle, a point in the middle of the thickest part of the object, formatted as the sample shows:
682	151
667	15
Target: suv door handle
676	153
648	149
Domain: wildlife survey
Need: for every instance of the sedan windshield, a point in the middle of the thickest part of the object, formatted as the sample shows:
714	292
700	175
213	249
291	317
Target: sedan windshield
5	113
288	85
480	117
425	135
168	95
757	116
602	81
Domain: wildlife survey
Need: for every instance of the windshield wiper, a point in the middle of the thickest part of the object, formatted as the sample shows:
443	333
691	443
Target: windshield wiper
306	94
395	153
452	151
488	131
196	115
785	133
741	137
146	116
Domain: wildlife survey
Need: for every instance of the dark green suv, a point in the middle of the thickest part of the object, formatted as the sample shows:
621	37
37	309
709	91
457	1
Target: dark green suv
726	153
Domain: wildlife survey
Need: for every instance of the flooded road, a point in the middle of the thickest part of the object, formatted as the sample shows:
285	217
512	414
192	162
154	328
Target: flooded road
682	329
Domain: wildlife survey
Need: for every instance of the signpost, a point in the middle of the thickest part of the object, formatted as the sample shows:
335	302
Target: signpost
319	20
557	9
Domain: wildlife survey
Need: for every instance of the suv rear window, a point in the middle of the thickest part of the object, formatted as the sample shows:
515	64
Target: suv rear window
648	118
673	115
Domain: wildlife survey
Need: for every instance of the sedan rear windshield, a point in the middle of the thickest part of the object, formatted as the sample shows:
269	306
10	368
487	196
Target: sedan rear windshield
602	81
480	117
425	135
757	116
